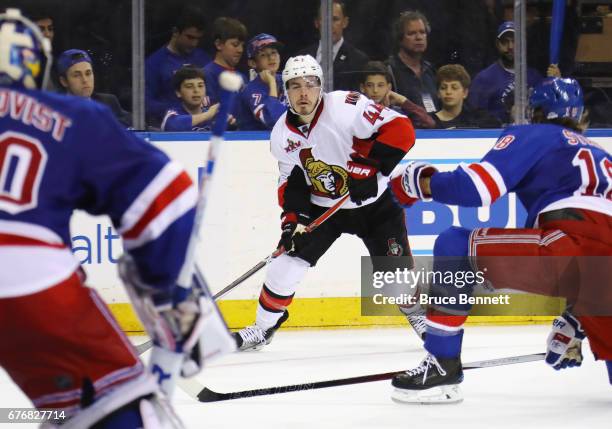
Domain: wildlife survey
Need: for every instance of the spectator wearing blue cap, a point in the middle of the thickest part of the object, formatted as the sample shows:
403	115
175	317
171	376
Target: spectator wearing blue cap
263	100
76	76
493	88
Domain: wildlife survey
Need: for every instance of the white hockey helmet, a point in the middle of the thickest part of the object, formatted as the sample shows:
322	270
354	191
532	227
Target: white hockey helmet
302	66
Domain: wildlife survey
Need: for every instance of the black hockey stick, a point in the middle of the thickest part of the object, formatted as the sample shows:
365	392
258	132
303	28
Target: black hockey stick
141	348
207	395
311	227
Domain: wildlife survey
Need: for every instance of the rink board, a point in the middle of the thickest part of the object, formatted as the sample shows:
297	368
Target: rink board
241	227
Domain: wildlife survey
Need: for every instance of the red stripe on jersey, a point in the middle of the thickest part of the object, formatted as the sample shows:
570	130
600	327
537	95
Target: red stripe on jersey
18	240
397	133
281	194
445	319
487	180
165	198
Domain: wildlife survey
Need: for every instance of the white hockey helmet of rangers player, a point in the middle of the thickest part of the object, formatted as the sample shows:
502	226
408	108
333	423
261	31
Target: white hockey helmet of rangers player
302	66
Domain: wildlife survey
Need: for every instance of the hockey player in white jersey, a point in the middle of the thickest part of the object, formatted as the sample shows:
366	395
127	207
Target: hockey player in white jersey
58	341
328	145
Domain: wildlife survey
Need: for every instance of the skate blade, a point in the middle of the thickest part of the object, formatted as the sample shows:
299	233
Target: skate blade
253	348
450	394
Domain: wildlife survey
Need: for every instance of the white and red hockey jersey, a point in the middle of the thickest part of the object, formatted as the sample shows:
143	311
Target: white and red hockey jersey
345	123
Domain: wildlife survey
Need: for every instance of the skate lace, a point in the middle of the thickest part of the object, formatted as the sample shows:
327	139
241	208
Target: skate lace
418	323
252	335
423	368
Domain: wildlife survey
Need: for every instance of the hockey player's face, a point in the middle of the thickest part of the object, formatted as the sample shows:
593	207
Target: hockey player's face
230	51
192	92
187	40
452	93
267	59
303	94
79	80
375	88
415	37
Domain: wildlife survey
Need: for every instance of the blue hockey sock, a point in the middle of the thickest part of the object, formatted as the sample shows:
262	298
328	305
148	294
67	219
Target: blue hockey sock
443	344
609	366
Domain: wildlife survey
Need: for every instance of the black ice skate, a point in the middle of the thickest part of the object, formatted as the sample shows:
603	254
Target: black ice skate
254	338
434	381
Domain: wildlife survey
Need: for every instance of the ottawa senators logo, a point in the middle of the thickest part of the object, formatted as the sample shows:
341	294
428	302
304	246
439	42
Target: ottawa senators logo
327	180
395	249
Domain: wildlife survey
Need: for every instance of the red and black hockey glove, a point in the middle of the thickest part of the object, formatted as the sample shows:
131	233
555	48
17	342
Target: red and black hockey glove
362	182
294	232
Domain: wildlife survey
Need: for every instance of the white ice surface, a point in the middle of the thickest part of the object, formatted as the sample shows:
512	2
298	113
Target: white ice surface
528	395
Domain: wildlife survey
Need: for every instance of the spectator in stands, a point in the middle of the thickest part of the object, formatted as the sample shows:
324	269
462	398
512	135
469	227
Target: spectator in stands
493	87
161	65
76	76
229	36
191	113
453	89
412	76
348	60
263	100
376	85
43	19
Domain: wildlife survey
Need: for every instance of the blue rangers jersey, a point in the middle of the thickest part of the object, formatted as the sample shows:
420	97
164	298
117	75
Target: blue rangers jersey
257	110
548	167
60	153
179	119
160	67
212	71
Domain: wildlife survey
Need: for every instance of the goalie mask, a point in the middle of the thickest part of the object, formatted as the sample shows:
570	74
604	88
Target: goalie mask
25	54
303	66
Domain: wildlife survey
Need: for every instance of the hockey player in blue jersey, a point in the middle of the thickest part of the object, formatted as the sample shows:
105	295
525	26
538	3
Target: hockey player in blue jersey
58	341
564	180
263	100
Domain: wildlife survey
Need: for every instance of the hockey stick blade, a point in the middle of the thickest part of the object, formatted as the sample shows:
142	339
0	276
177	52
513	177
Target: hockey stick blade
143	347
207	395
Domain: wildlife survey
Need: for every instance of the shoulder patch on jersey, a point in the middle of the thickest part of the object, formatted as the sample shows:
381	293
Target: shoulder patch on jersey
504	142
352	98
292	145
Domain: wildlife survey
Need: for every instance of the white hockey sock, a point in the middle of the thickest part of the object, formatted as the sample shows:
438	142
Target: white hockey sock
266	319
